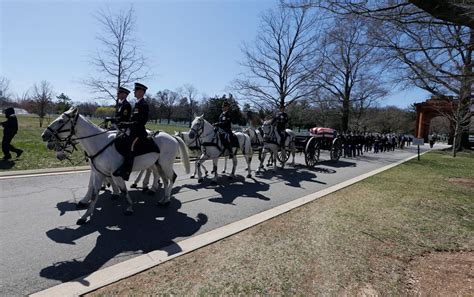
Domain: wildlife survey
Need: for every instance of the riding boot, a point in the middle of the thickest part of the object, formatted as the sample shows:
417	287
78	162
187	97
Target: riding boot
126	168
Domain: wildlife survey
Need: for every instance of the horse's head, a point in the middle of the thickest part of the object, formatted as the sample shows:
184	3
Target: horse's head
61	128
267	129
197	127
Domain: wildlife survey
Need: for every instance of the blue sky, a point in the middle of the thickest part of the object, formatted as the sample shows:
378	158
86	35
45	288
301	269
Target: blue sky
185	41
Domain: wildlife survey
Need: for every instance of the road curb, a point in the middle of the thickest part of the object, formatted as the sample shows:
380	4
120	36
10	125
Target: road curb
114	273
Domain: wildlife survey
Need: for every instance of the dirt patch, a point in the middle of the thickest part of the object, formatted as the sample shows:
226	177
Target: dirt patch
467	182
442	274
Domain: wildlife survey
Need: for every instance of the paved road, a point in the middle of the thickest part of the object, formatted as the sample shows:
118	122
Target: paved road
41	246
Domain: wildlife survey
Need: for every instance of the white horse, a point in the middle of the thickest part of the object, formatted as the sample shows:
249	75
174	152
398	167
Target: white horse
105	159
212	148
193	144
271	144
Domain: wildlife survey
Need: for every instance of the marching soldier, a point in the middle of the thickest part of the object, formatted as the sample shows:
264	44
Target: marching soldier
137	128
225	123
281	119
10	128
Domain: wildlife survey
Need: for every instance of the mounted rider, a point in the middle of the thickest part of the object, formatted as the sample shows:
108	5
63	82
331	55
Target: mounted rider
137	129
281	120
225	124
123	109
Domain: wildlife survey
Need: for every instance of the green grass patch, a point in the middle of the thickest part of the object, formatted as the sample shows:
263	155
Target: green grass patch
355	241
36	156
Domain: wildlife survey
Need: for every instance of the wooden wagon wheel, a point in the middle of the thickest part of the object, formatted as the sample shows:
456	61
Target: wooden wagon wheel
336	149
311	152
283	158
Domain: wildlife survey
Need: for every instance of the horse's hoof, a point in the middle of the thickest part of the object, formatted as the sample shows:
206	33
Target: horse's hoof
249	175
133	186
163	205
115	196
81	222
145	189
108	185
206	173
81	205
213	183
128	212
192	176
151	193
200	180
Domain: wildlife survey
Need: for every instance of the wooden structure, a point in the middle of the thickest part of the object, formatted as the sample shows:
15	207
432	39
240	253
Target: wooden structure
426	111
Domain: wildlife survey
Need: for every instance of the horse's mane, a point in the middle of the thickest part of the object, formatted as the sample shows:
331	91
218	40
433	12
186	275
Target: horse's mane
92	124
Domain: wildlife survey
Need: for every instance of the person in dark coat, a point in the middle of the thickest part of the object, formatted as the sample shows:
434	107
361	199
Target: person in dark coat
281	120
225	123
123	109
137	130
10	128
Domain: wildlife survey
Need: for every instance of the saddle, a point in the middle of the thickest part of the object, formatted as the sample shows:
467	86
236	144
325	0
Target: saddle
123	144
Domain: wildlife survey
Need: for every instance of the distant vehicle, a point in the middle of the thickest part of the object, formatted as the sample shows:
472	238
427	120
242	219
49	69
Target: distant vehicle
471	141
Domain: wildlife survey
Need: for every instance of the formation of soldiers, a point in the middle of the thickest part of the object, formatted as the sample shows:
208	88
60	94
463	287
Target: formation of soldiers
356	144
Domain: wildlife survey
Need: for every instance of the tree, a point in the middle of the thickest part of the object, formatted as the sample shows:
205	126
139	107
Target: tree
213	108
87	108
118	60
351	70
42	98
167	100
190	92
451	11
283	59
436	58
63	103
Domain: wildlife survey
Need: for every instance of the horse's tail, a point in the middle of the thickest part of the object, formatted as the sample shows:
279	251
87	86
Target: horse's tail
184	155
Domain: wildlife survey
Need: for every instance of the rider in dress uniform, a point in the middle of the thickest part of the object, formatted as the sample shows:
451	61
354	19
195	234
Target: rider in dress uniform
281	119
225	123
123	111
10	128
137	129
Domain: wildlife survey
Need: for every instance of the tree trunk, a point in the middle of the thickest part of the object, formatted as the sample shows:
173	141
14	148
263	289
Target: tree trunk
345	114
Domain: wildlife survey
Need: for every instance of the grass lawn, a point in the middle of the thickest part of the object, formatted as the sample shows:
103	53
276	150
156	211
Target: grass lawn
359	240
36	155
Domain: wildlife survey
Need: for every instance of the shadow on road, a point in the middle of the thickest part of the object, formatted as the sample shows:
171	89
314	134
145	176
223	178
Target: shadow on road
338	164
291	176
150	228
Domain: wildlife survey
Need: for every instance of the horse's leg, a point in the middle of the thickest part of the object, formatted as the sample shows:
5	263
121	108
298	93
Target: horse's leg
115	190
123	189
156	180
225	164
146	180
274	158
248	159
96	184
214	169
137	180
84	201
234	165
164	177
198	164
293	153
263	155
205	170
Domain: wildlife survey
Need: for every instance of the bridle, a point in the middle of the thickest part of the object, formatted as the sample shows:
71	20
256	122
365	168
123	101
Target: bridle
270	134
68	143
